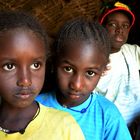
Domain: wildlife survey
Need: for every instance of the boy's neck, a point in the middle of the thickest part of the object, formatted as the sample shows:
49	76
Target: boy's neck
15	119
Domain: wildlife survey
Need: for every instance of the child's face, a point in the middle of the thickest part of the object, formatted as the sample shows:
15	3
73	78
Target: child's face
118	26
78	71
22	67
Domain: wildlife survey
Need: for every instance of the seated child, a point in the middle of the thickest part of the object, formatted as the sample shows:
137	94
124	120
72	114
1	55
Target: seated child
23	54
121	84
80	55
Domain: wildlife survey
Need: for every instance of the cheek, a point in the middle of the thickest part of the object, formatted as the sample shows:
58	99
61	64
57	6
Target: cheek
8	81
6	88
111	34
62	79
38	79
126	34
110	30
92	84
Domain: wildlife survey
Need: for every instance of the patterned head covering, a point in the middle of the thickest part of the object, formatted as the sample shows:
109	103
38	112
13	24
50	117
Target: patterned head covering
118	7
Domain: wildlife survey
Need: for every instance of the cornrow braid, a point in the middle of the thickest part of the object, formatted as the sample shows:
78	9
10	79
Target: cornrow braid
84	30
76	30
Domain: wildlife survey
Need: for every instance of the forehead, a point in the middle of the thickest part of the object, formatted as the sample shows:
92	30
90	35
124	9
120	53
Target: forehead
78	46
19	40
118	16
82	51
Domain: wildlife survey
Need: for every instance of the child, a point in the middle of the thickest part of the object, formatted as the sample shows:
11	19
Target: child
122	87
80	55
23	51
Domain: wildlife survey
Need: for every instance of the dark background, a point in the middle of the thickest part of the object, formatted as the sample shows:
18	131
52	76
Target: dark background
134	36
54	13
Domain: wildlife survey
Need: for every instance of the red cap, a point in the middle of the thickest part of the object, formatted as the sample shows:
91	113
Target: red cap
118	7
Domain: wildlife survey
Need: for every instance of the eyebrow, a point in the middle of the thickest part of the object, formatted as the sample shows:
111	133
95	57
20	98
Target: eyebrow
110	20
93	67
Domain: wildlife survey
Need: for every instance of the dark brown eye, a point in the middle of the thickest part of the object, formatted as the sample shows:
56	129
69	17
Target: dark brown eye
9	67
90	73
35	66
114	25
126	26
68	69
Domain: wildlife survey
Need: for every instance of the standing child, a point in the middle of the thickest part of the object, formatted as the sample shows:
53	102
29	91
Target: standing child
23	51
80	55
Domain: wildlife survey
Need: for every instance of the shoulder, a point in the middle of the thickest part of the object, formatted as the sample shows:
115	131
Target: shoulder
103	102
132	53
115	125
107	106
131	48
52	113
61	123
46	98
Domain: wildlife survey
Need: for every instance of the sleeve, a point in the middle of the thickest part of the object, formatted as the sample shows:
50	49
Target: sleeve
137	55
116	128
133	52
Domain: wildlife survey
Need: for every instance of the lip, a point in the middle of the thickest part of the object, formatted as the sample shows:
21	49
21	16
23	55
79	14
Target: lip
74	96
24	95
119	39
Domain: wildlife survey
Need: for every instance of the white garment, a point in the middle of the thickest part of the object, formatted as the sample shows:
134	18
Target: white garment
121	84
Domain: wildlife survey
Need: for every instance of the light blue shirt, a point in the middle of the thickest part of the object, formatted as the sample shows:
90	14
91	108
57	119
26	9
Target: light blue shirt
101	121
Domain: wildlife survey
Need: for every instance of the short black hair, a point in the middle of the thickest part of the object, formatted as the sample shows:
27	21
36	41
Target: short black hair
18	19
78	29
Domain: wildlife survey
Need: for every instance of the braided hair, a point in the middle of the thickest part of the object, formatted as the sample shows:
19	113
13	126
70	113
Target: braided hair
76	30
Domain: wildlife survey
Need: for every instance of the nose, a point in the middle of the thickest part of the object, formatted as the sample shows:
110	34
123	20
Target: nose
77	83
24	78
119	30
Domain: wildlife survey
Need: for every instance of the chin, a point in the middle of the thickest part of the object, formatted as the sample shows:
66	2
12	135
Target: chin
116	47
